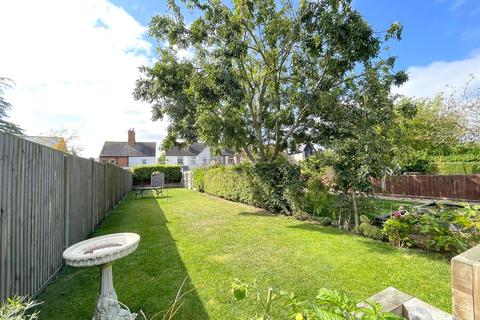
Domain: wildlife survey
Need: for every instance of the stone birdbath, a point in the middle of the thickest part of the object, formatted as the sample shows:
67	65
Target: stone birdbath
103	251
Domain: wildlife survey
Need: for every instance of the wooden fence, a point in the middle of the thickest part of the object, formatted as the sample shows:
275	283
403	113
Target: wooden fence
458	187
48	201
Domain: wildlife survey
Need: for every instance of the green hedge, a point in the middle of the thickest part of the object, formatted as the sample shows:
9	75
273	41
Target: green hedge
199	178
141	174
276	186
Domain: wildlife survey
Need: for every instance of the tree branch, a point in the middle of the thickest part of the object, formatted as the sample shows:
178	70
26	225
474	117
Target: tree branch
249	154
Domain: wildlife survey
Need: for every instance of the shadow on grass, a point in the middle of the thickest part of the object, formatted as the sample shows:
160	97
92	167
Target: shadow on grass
147	279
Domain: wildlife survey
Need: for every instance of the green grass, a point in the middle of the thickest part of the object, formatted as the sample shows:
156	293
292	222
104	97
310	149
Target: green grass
211	242
332	206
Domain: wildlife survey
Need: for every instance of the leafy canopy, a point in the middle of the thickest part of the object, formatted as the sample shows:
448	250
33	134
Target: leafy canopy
265	76
5	106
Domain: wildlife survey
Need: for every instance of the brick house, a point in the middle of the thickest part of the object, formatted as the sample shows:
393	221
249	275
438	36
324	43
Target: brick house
130	153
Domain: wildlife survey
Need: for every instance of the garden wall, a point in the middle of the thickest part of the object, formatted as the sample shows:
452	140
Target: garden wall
48	201
459	187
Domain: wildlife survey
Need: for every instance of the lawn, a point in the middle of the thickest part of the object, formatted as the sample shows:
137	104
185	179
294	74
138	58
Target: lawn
212	241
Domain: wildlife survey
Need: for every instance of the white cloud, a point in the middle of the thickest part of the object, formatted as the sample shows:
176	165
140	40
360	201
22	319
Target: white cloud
430	80
75	64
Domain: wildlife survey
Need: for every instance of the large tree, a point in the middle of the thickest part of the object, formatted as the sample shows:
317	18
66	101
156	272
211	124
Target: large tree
265	75
5	106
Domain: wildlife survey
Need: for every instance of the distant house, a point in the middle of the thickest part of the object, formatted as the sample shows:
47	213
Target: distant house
302	153
130	153
197	155
57	143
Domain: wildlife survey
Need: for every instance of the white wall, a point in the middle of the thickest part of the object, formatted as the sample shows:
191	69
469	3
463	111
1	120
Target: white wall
171	160
135	161
201	159
174	160
204	157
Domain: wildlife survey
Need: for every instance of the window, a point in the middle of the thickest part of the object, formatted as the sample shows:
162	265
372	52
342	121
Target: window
179	160
112	161
144	161
193	161
230	160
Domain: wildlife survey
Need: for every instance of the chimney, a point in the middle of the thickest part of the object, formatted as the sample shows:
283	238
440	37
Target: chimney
131	137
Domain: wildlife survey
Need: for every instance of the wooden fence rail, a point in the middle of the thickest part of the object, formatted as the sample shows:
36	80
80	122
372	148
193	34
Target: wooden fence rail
459	187
48	201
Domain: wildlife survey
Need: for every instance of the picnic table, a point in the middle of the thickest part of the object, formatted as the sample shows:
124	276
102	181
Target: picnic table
157	184
139	191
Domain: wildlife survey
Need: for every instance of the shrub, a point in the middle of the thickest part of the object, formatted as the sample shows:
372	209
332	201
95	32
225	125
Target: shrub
365	228
324	221
327	304
275	186
443	229
141	174
373	232
198	177
18	308
398	230
318	199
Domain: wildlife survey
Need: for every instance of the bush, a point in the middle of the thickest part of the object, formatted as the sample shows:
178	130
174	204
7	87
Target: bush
443	229
141	174
198	177
365	228
18	308
398	231
327	304
324	221
276	186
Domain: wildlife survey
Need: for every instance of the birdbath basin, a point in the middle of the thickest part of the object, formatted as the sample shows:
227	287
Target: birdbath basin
103	251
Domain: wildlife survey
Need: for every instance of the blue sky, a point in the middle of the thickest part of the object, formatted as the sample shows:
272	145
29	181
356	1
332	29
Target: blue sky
75	62
433	29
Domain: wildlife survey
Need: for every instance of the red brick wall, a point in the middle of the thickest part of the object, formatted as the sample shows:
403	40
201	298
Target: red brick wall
122	162
119	161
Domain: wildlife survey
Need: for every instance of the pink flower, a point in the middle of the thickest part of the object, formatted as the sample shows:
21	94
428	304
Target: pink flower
396	214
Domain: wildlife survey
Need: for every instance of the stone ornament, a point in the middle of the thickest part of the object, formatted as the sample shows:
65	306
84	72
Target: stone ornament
103	251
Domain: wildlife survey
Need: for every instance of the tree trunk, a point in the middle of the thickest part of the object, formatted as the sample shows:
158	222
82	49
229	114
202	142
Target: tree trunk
355	211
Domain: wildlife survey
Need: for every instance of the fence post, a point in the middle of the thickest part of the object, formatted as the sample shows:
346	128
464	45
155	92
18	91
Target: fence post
94	215
66	200
466	285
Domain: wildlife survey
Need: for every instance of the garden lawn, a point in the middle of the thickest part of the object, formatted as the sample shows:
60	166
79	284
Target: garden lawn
210	242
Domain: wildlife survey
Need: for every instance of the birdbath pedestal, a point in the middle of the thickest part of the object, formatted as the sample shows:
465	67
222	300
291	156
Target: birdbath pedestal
103	251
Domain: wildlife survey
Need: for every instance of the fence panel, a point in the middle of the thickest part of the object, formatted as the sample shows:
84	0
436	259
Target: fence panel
459	187
48	201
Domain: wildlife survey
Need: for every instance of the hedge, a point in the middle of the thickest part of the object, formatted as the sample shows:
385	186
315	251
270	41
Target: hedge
198	177
276	186
141	174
